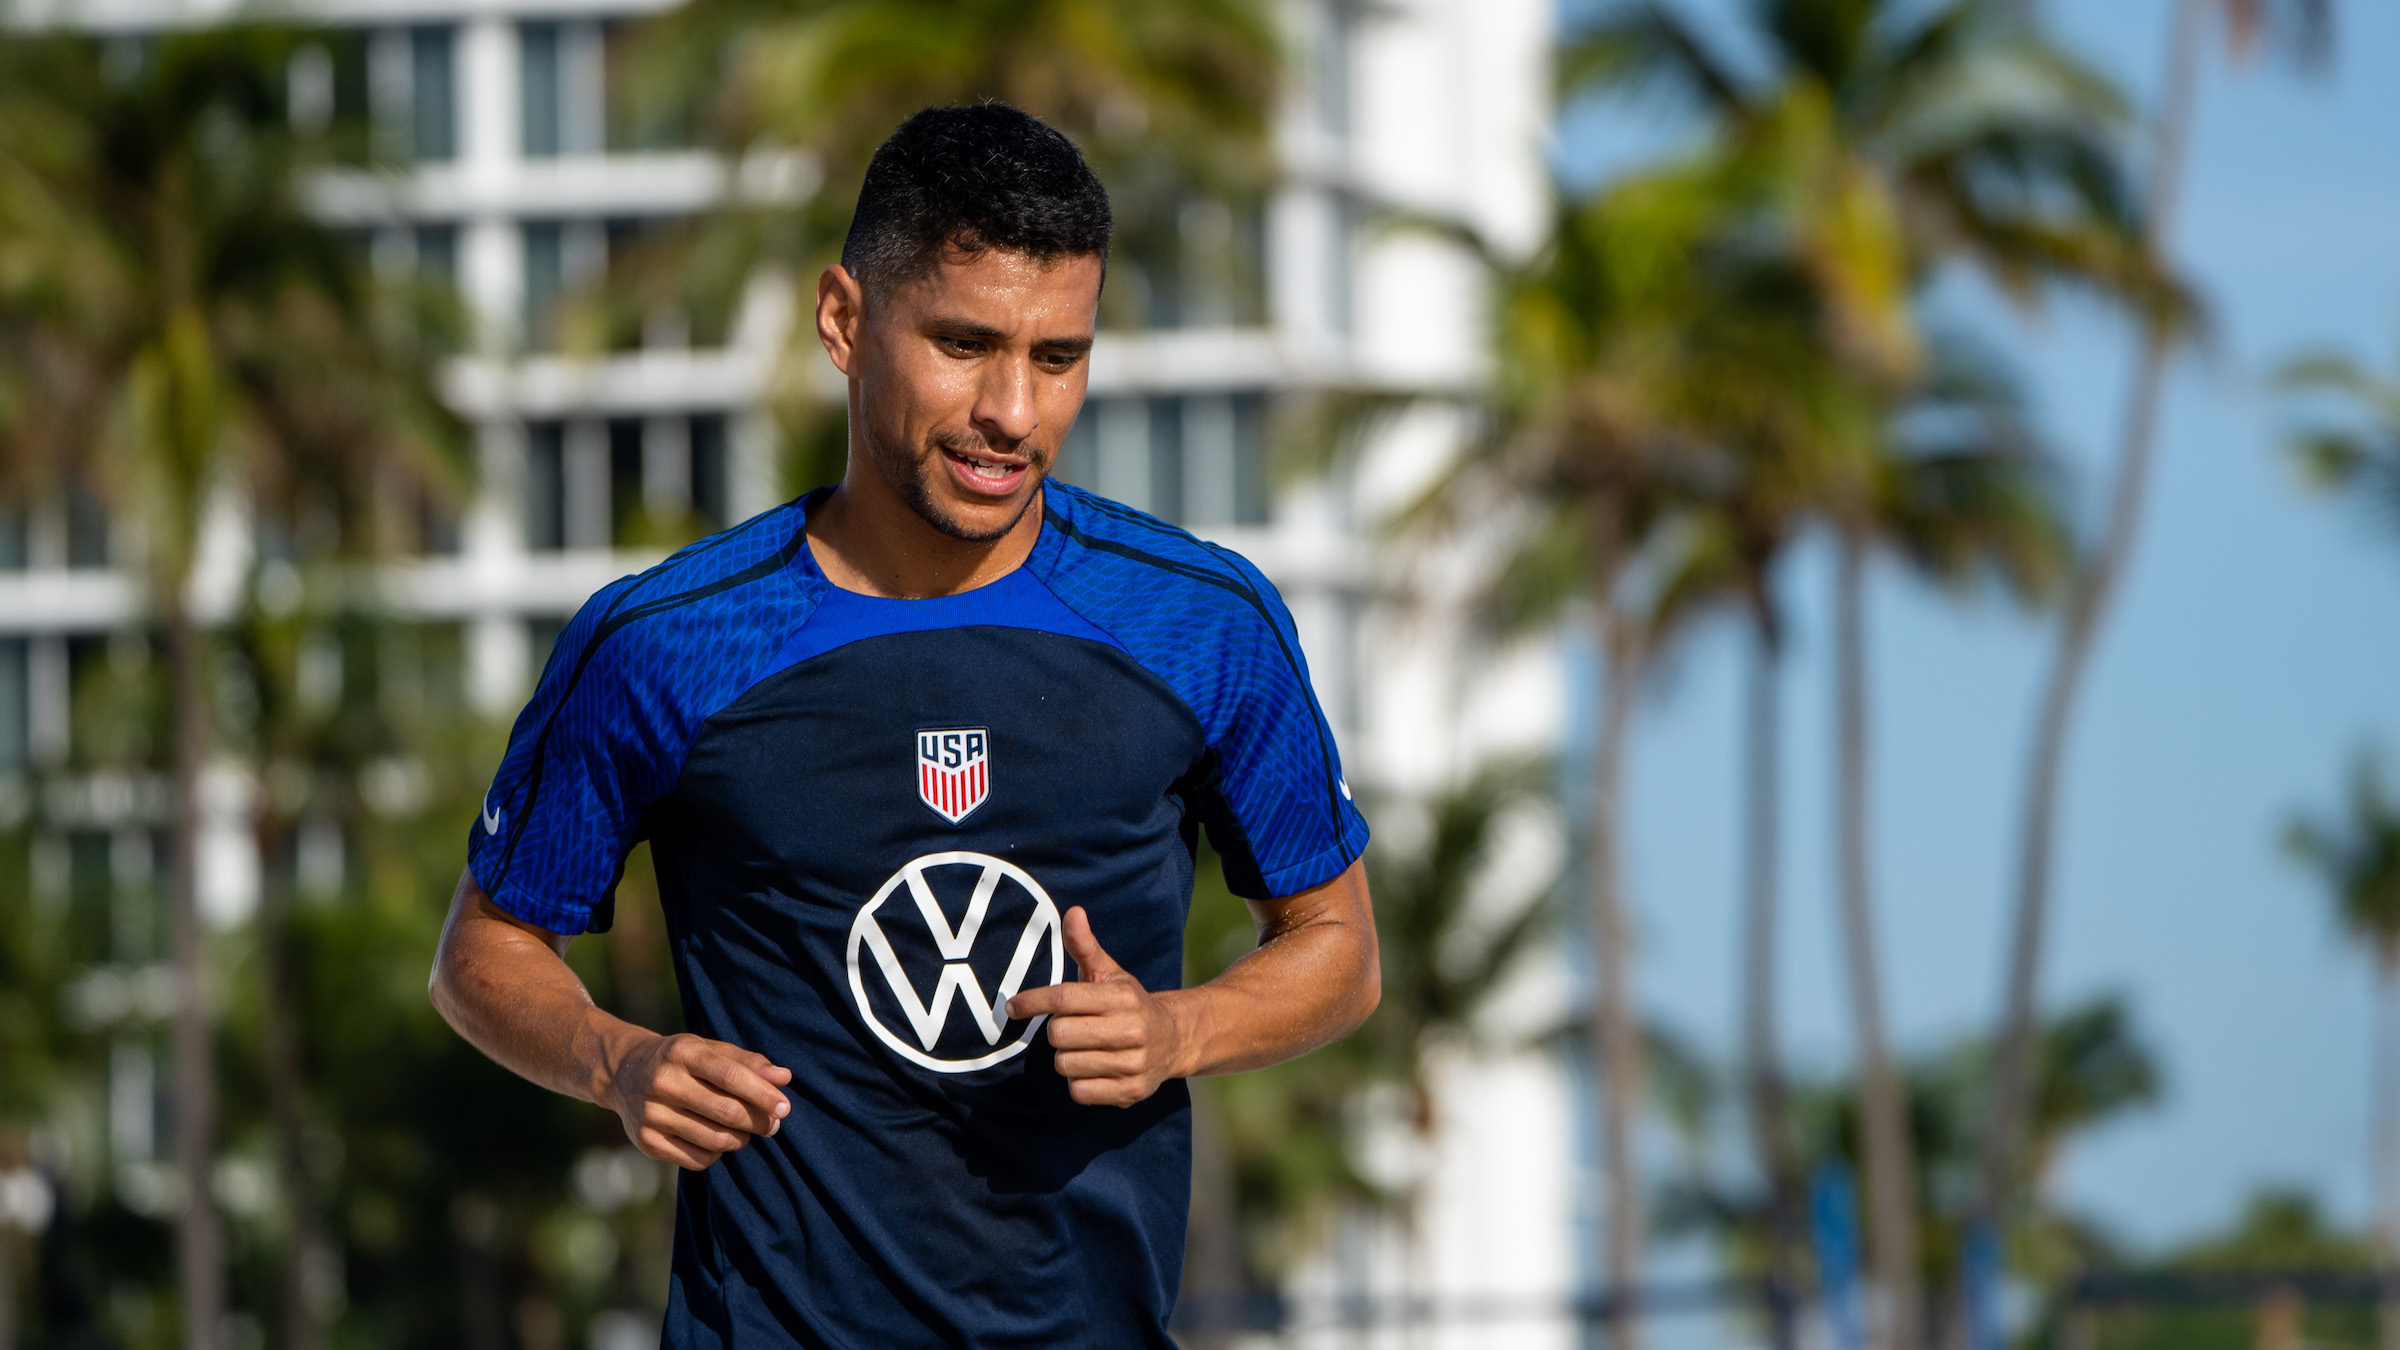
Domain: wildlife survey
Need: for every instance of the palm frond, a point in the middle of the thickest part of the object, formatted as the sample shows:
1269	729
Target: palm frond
2356	854
1649	47
2359	454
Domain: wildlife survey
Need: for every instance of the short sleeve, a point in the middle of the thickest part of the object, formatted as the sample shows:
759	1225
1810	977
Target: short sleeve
587	758
1277	807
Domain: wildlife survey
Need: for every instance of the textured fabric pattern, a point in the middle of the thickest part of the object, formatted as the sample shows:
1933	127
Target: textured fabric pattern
625	691
1213	628
935	1185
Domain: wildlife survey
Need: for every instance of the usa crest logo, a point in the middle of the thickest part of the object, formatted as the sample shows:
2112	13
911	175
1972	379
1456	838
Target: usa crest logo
954	771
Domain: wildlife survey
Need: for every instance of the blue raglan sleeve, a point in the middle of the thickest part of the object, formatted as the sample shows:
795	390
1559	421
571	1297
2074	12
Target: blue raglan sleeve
587	758
1277	807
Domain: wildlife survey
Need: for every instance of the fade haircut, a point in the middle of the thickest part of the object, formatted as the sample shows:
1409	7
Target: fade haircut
972	179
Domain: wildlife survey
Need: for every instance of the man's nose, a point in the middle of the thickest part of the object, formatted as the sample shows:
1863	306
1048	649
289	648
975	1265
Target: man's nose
1004	406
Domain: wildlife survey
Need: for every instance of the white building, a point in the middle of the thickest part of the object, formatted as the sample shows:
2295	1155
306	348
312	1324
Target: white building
521	188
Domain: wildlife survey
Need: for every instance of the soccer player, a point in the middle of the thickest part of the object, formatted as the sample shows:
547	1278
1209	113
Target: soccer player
923	760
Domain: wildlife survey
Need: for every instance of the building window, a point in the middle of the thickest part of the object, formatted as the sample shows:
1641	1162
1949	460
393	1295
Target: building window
433	93
1197	460
16	711
1330	53
559	257
1195	261
412	91
15	547
655	482
646	122
545	281
562	74
709	482
87	527
1341	267
545	486
437	254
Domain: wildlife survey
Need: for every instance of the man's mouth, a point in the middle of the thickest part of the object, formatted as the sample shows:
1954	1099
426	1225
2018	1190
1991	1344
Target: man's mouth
980	472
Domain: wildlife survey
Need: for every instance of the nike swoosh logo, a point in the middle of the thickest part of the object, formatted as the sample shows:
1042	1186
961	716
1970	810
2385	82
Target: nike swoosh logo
491	818
1344	785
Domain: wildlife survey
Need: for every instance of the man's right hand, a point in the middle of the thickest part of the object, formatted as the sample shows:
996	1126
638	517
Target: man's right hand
684	1099
689	1100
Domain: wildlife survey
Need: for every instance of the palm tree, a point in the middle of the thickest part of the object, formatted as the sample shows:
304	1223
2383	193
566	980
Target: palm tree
2094	1066
194	338
1977	509
2360	457
1278	1137
1441	962
2357	856
1171	102
1652	361
2305	24
1887	131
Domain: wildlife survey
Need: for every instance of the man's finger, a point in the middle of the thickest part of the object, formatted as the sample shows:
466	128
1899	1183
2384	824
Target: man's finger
693	1127
723	1066
1098	1033
1089	958
758	1063
1105	1091
668	1149
1100	1063
680	1087
1072	1000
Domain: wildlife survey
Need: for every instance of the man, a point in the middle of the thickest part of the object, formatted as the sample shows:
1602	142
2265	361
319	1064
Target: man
923	761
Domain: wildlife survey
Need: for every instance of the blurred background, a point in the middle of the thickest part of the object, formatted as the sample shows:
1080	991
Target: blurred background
1849	546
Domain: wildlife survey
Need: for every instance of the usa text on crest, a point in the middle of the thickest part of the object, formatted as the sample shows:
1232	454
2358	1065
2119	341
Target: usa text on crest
954	771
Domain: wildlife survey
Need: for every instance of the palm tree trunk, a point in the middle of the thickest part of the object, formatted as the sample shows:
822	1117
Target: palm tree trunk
199	1245
1616	1039
8	1292
285	1083
2384	1078
1762	1059
2087	604
1883	1114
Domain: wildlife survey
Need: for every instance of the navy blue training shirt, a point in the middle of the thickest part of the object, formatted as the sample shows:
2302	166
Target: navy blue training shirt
868	816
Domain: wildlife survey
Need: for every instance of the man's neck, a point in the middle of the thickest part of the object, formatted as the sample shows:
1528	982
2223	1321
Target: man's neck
872	542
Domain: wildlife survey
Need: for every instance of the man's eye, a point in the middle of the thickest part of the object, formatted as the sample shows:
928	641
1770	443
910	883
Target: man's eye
961	346
1057	362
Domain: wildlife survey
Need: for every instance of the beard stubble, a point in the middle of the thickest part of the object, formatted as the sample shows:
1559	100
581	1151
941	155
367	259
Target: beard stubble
911	476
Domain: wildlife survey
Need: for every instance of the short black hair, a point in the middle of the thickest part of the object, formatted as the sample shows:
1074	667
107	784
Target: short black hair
973	179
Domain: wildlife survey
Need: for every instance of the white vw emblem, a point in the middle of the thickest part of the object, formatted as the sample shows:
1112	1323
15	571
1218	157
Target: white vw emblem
928	1019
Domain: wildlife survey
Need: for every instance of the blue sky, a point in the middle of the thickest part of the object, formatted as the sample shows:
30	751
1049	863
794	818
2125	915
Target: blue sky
2253	650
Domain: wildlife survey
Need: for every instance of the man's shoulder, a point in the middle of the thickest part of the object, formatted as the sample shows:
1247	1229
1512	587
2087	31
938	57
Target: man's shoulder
701	615
725	568
1135	568
1195	614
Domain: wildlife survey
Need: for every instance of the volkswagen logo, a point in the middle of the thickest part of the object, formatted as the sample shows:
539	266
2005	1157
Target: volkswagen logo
904	934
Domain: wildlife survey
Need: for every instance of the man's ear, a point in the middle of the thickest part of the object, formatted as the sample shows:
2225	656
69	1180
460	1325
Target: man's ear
841	315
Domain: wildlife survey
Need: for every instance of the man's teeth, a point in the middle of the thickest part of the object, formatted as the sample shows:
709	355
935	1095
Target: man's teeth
983	470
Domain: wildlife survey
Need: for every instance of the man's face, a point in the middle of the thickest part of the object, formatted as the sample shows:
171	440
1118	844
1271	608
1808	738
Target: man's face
967	380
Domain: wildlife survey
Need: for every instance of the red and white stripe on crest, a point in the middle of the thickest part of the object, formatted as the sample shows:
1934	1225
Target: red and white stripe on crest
953	790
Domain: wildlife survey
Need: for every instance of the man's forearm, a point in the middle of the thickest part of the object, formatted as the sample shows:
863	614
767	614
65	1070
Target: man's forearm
1314	978
504	987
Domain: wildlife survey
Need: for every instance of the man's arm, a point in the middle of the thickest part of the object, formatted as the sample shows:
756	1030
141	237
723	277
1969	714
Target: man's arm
504	985
1313	979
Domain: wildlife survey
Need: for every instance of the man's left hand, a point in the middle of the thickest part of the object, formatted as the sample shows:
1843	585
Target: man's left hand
1115	1041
